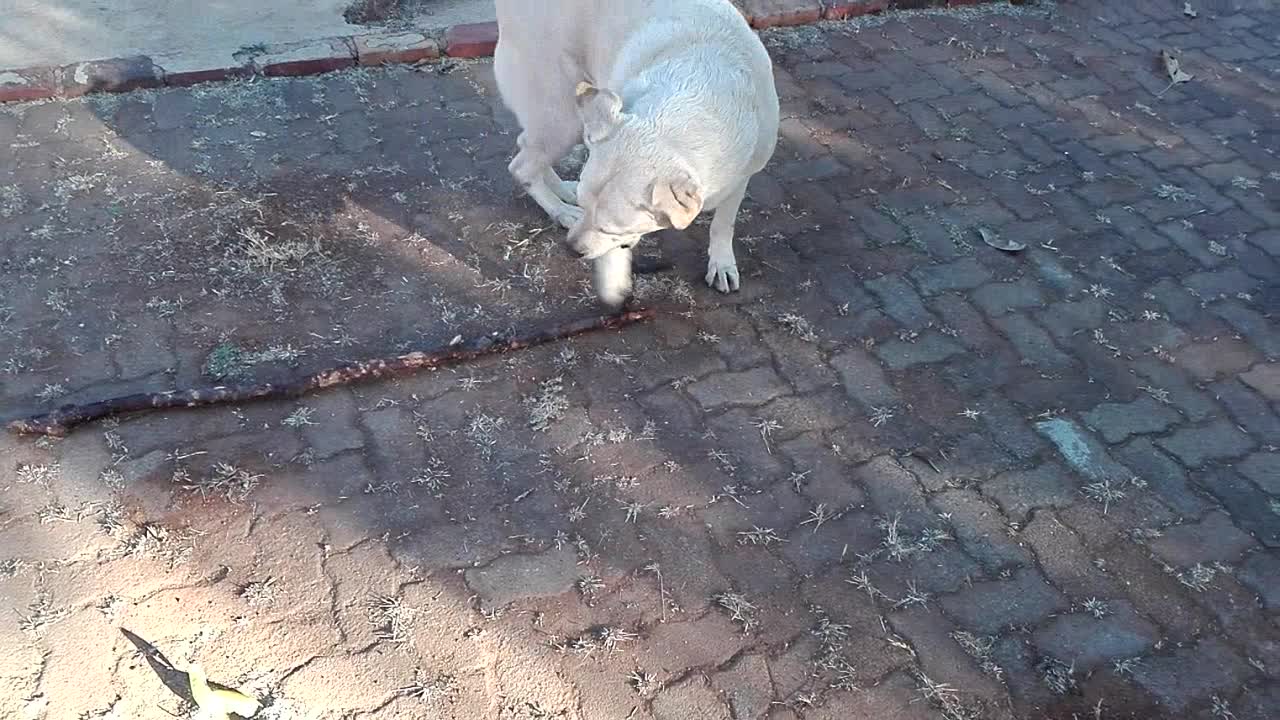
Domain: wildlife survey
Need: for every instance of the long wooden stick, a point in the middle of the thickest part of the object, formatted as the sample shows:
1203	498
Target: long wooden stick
58	422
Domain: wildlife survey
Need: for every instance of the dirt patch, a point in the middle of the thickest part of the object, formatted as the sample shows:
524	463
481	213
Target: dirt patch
417	13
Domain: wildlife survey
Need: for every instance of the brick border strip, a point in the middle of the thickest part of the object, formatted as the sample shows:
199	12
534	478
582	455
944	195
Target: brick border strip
313	57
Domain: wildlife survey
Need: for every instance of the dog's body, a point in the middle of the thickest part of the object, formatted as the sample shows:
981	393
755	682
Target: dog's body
676	102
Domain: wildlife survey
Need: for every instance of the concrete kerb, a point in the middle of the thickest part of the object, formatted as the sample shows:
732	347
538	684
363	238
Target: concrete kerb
313	57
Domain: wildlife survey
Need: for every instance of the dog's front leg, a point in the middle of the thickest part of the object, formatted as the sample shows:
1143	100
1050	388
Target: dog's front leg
531	167
722	266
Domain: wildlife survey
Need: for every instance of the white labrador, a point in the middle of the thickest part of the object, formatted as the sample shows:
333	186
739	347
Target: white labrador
675	100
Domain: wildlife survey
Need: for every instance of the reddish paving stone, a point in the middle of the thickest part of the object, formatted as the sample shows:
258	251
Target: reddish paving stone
471	41
780	13
845	9
24	84
305	58
403	47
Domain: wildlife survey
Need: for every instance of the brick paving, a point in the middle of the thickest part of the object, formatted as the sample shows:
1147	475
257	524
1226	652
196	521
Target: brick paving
900	475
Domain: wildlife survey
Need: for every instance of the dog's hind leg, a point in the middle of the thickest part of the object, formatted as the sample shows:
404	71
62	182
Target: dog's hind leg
722	266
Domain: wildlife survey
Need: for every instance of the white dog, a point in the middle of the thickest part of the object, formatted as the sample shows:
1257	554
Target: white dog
676	103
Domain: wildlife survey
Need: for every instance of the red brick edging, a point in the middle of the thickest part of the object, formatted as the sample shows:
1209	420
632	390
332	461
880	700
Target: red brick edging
328	54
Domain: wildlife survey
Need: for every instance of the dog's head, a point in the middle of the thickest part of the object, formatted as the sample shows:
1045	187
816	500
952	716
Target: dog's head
633	183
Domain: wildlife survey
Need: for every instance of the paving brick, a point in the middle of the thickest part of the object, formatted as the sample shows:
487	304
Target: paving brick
1032	342
1247	408
864	380
689	698
990	607
1183	676
1009	428
374	49
471	40
1261	573
1261	331
844	9
333	429
1217	440
1265	378
1065	320
803	364
780	13
981	530
963	274
1088	642
746	686
930	347
1082	451
1174	387
1117	422
900	301
971	329
1166	478
29	84
1000	298
1222	356
1021	491
894	491
1249	507
749	388
1064	559
1211	539
1263	468
306	58
941	657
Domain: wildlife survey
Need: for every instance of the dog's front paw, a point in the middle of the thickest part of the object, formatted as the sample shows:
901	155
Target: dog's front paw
722	275
568	191
568	216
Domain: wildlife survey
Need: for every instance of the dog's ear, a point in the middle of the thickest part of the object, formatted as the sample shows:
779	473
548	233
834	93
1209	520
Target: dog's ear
600	110
676	200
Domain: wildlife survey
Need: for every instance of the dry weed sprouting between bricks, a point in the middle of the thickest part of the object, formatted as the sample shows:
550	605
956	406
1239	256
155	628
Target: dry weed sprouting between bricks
981	650
1104	492
433	477
1198	577
299	418
1057	675
392	619
642	682
259	593
830	654
900	547
1097	608
759	536
611	637
426	688
589	586
740	611
798	326
226	479
548	405
40	614
946	699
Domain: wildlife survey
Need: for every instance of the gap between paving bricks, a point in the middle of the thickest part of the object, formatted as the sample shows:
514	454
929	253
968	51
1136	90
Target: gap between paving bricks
313	57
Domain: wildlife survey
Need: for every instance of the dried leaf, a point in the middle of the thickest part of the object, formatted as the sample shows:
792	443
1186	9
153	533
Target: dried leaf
1174	68
219	702
993	239
1189	11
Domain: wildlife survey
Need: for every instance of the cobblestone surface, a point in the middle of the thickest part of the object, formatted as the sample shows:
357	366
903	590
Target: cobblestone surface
900	475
